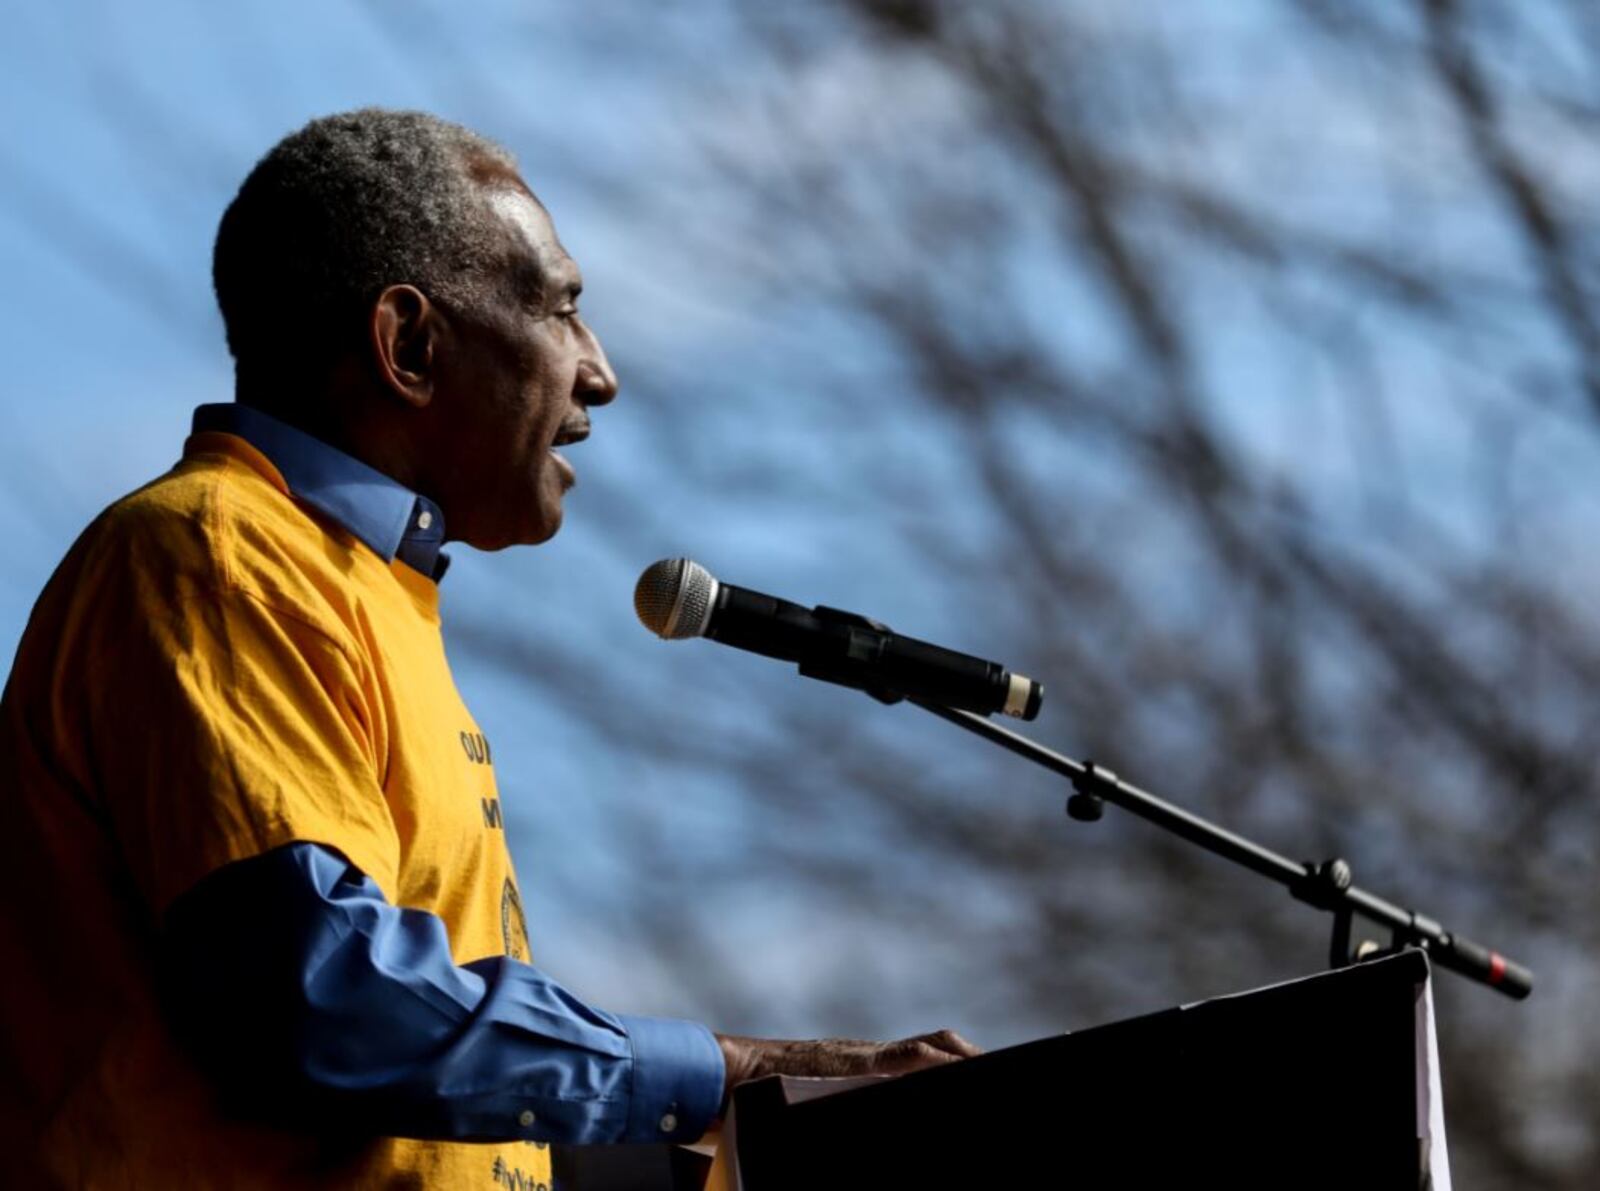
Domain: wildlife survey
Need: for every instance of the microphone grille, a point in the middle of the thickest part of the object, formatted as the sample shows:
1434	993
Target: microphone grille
673	598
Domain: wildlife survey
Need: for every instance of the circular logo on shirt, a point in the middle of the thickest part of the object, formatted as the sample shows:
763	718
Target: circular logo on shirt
513	926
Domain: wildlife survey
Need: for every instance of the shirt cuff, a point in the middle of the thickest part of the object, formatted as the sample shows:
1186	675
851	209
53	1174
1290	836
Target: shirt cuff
678	1075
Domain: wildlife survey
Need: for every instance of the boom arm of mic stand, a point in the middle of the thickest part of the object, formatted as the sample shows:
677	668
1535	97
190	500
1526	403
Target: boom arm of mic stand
1327	885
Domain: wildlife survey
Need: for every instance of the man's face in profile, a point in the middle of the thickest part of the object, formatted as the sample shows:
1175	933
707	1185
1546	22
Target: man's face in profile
515	382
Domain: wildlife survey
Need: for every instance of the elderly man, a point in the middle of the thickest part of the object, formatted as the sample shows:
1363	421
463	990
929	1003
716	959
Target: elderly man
261	924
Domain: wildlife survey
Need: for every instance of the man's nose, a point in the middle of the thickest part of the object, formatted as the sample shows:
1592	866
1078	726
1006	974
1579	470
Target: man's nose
596	382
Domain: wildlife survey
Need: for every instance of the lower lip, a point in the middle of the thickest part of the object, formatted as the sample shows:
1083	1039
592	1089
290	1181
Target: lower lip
568	476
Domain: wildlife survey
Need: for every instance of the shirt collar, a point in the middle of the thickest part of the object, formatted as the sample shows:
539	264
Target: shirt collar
391	519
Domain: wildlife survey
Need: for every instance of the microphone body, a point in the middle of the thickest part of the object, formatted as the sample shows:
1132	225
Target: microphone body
827	643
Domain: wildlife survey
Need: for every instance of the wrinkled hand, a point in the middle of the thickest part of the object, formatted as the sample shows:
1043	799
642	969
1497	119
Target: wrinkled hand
751	1058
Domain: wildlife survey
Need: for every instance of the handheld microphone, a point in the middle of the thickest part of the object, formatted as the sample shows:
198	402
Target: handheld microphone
677	598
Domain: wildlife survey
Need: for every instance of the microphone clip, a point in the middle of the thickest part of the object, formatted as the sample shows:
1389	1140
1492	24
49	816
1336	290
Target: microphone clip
860	645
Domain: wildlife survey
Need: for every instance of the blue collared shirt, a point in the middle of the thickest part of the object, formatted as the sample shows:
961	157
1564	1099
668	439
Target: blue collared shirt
393	521
311	998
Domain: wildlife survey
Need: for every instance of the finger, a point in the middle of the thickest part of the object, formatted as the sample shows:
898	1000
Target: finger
912	1054
932	1056
952	1043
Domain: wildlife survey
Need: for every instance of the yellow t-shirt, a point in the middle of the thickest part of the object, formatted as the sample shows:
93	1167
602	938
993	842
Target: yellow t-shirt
212	672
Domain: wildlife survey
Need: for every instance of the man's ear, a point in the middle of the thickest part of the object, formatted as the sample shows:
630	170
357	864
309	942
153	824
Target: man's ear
406	330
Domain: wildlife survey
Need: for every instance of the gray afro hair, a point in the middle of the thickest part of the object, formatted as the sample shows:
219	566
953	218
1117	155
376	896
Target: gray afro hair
337	211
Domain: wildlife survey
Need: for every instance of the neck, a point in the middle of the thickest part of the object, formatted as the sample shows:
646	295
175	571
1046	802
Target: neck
344	418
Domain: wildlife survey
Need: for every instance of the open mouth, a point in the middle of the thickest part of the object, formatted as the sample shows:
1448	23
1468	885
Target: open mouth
571	432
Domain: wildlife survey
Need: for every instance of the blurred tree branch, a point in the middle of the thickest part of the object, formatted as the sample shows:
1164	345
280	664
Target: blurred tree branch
1277	630
1236	374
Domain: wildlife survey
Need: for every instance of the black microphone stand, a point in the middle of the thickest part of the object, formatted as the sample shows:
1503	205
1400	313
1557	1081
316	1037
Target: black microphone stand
1327	886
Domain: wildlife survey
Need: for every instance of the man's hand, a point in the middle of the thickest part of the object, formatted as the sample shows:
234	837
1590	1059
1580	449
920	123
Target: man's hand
751	1058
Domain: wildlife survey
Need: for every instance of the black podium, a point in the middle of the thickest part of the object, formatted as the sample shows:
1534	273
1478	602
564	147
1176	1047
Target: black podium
1329	1081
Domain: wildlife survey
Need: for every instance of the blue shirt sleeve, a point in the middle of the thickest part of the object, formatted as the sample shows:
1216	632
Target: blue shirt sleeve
313	1001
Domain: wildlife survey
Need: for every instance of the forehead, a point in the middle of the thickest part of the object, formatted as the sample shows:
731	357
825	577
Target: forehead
532	234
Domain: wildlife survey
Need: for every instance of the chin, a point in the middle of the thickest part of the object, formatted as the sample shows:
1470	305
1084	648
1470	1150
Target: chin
544	533
530	533
548	525
528	517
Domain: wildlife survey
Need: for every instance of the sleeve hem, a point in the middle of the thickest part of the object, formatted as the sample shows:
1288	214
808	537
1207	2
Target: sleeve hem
678	1074
364	855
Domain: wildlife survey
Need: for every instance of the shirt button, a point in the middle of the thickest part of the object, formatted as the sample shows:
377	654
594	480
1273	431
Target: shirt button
424	519
669	1123
527	1117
